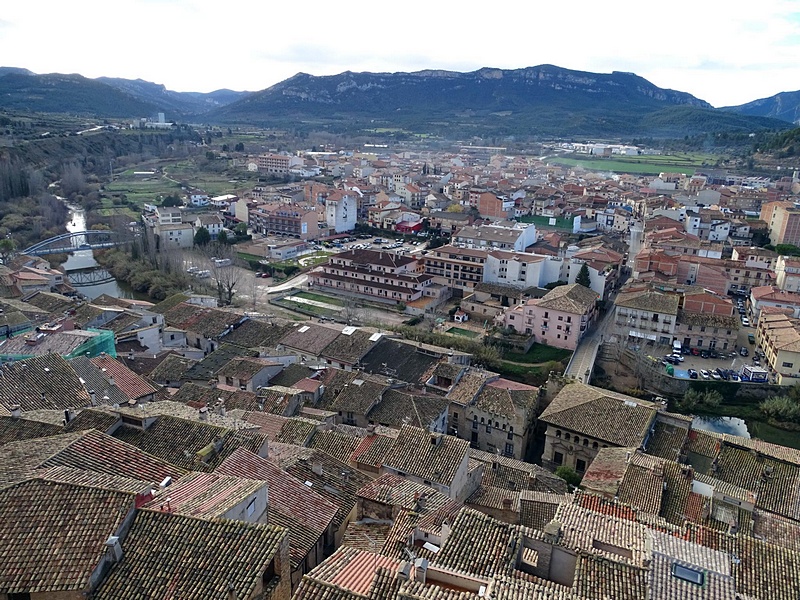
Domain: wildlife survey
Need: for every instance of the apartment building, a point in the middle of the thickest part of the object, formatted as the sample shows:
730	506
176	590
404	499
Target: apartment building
384	276
274	164
460	269
787	273
646	315
706	320
778	334
560	318
783	219
503	235
285	219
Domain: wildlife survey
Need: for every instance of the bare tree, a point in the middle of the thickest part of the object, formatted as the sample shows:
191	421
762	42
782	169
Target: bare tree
225	272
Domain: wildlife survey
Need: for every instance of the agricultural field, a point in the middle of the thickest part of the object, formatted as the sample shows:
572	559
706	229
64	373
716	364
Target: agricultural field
650	164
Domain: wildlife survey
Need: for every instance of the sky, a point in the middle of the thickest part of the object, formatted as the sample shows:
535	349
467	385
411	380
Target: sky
726	52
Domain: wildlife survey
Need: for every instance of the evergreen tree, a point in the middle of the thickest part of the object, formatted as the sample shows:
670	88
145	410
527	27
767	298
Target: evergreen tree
202	237
583	277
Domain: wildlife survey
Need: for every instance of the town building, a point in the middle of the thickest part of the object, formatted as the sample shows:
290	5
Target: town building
646	315
285	219
778	335
559	319
502	235
375	274
341	212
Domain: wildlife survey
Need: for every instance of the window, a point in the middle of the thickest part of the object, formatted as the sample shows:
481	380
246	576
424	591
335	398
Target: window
488	428
788	365
585	442
509	450
566	436
558	458
580	465
510	435
688	574
558	433
251	508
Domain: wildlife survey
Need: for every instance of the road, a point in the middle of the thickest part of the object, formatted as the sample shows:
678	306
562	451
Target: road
586	353
636	242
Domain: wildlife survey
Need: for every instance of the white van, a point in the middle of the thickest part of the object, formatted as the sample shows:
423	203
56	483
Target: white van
677	347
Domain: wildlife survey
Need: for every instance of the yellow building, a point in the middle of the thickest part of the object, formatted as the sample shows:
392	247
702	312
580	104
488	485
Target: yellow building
778	334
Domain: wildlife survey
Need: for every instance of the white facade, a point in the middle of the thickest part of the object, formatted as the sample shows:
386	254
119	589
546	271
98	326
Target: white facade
341	213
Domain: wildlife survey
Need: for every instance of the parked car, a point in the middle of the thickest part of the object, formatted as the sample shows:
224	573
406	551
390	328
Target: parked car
671	360
751	338
715	375
705	354
704	374
723	373
678	357
745	321
695	351
743	351
692	374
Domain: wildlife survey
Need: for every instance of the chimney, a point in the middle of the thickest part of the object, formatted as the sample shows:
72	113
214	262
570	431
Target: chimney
16	411
69	414
111	381
44	398
506	503
316	468
435	439
93	397
405	571
131	403
420	569
114	549
627	457
203	413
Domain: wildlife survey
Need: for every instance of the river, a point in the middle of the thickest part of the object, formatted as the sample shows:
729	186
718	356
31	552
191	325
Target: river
82	261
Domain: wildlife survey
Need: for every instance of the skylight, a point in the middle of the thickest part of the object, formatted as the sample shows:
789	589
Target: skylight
688	574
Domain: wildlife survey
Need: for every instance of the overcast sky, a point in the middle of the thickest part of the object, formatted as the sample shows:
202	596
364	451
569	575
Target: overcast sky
726	52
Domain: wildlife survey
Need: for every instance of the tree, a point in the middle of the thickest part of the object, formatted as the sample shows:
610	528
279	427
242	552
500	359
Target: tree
202	237
583	277
225	277
569	475
172	200
222	238
6	249
455	208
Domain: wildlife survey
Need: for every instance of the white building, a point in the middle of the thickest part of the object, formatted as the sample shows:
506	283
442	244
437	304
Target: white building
503	235
341	210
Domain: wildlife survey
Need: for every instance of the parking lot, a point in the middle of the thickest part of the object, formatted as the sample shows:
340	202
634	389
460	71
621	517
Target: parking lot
354	242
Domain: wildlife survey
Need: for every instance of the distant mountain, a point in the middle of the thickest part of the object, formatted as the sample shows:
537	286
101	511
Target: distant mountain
784	106
176	102
72	94
15	71
535	101
543	100
20	89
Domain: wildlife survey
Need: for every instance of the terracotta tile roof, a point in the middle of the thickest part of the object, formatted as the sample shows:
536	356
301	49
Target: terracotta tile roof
599	577
210	365
431	456
197	396
106	481
606	471
358	395
365	536
372	450
302	539
227	558
296	430
53	535
512	474
42	382
167	303
573	298
172	369
615	418
93	418
397	491
399	359
349	349
649	300
207	495
667	440
493	498
335	443
348	573
254	334
506	399
207	322
16	430
268	425
537	509
131	384
467	387
309	338
480	545
399	407
189	444
291	374
244	367
335	481
96	380
287	495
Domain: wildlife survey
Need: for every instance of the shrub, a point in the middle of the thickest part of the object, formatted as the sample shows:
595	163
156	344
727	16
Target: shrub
569	475
781	408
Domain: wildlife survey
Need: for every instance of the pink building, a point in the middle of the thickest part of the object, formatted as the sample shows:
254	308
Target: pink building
559	319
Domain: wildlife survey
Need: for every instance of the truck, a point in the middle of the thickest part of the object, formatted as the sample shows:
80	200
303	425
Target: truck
754	374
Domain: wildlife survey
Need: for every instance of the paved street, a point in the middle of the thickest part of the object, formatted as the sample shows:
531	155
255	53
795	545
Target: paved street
586	353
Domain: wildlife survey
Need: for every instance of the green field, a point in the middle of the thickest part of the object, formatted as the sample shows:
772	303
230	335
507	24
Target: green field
463	332
307	308
539	353
319	298
642	165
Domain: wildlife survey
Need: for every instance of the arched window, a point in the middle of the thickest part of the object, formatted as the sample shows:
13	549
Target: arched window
566	436
585	442
558	433
594	445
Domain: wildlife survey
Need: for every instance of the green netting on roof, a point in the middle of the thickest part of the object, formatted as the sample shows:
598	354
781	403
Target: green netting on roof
102	342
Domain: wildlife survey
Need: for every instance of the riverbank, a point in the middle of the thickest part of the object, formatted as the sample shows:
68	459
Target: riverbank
142	277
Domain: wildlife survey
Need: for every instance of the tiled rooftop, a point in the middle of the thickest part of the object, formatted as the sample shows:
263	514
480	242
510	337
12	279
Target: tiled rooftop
431	456
184	557
53	535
